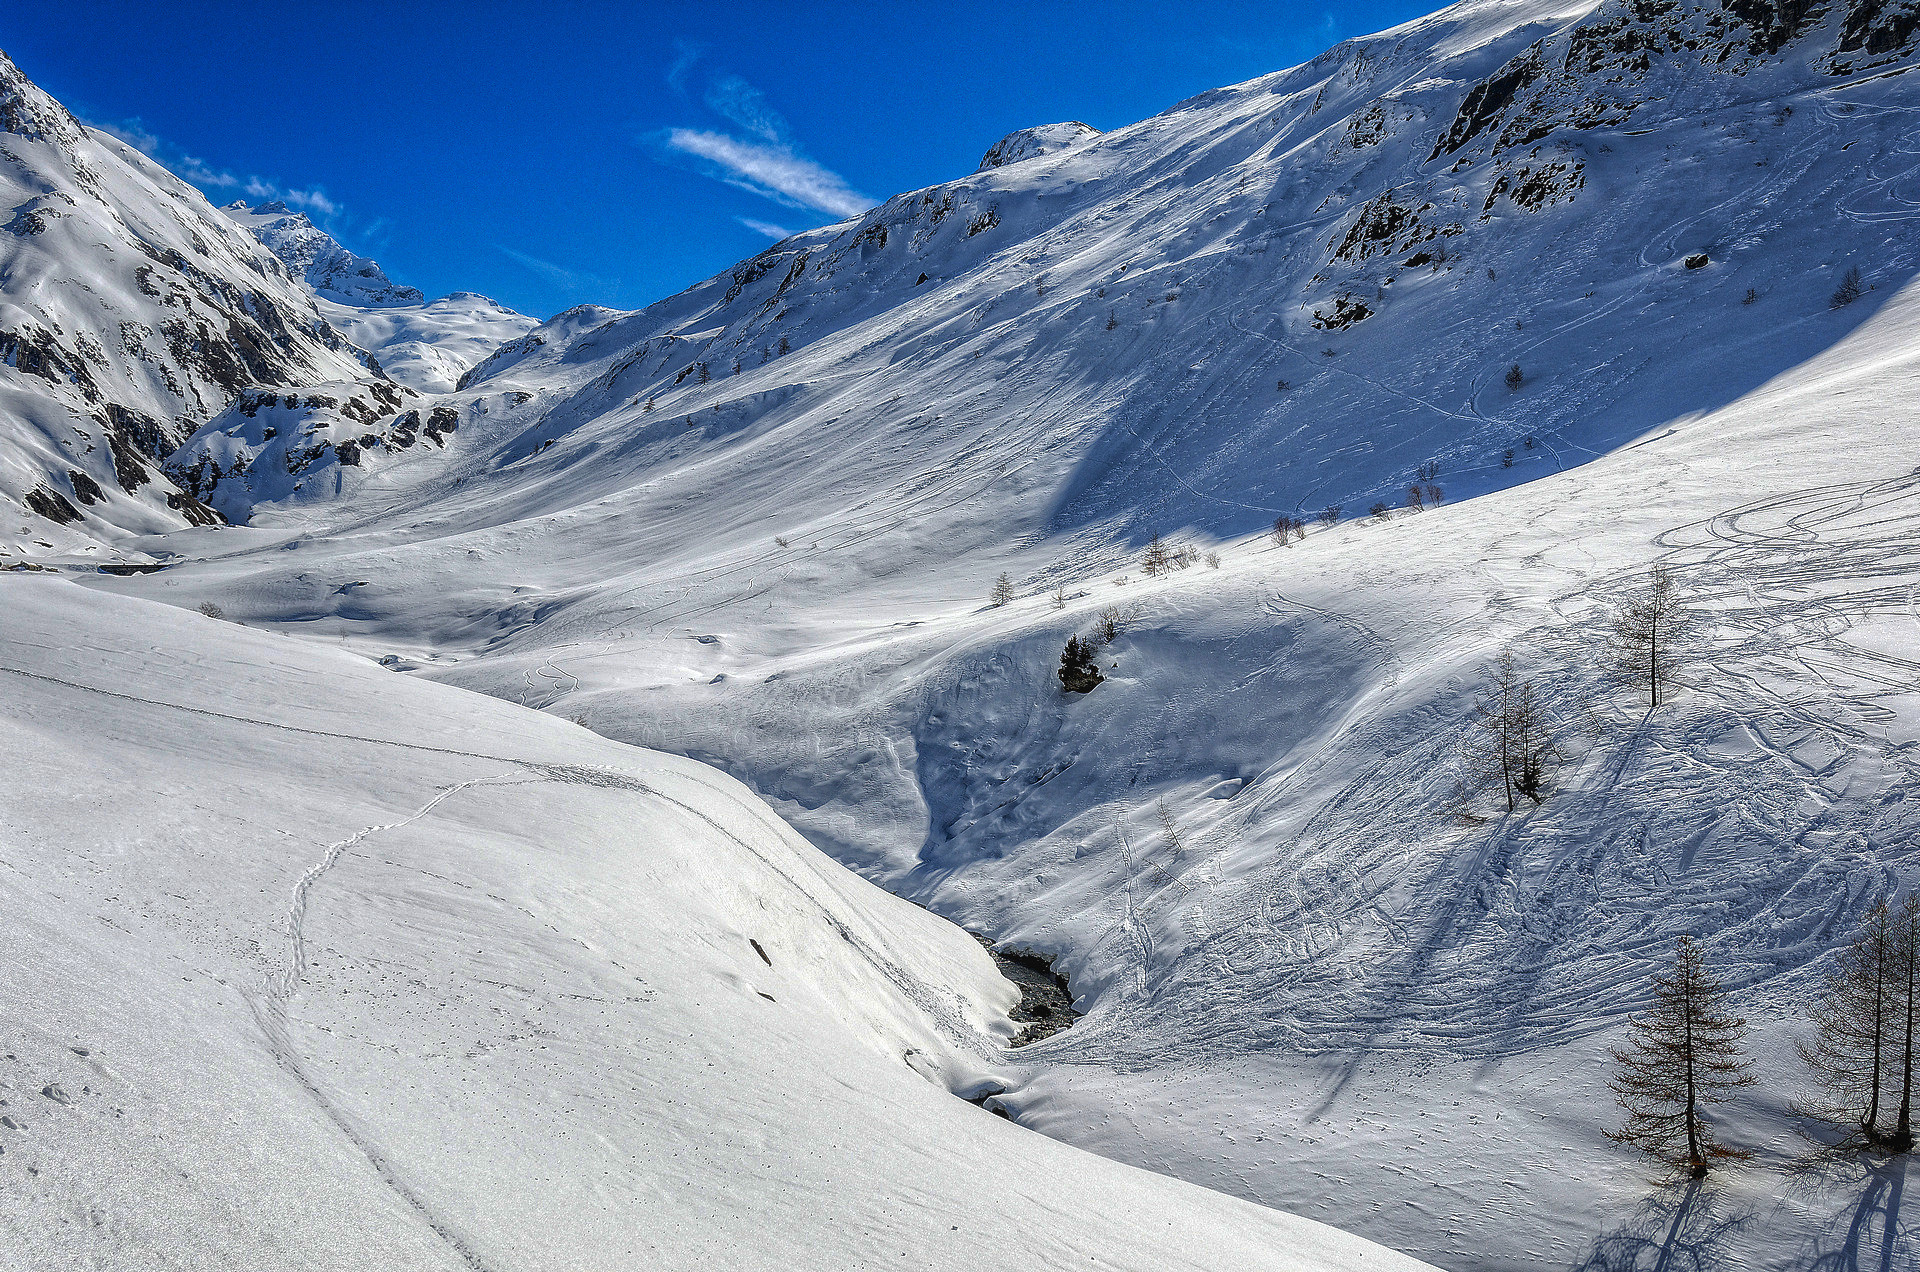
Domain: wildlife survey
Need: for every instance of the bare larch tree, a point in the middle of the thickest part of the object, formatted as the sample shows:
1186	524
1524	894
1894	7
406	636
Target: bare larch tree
1512	747
1682	1054
1858	1016
1646	628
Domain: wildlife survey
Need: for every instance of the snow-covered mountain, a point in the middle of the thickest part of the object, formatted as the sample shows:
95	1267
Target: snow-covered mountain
421	344
130	313
1585	260
312	254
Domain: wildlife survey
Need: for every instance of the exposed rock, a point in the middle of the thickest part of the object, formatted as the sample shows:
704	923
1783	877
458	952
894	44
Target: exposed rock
52	505
85	488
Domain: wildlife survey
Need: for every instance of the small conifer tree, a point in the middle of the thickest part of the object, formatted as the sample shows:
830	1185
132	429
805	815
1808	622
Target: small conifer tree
1078	671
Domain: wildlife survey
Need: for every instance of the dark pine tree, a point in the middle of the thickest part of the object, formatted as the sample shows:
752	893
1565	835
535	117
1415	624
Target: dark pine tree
1078	672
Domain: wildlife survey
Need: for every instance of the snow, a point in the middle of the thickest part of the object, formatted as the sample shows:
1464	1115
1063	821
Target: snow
1324	989
313	965
1031	143
429	346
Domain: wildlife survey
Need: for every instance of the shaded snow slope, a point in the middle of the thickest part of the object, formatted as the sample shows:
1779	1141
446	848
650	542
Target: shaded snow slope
425	345
130	313
311	965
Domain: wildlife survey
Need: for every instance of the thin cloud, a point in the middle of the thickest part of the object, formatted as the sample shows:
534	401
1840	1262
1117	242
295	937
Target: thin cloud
570	282
733	98
197	171
685	54
768	228
771	170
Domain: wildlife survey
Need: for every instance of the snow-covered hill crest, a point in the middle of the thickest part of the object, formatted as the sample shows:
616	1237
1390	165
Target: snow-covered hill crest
312	254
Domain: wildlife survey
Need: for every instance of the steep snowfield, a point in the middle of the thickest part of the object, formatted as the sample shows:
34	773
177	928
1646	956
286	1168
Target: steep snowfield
425	345
311	965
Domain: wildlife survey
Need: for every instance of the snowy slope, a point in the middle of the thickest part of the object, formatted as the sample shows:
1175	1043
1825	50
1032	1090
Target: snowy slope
1310	982
130	312
425	345
311	965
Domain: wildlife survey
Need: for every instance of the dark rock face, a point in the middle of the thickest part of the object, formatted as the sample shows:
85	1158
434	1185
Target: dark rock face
52	505
127	468
196	513
85	488
1344	312
33	350
1874	31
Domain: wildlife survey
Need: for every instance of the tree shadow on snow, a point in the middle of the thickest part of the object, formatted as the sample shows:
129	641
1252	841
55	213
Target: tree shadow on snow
1866	1234
1685	1227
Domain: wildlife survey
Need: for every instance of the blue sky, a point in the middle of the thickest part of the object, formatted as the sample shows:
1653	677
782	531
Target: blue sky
548	154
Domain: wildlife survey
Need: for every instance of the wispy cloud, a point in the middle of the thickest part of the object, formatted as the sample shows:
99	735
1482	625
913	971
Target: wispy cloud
733	98
771	170
568	282
197	171
766	160
685	54
767	228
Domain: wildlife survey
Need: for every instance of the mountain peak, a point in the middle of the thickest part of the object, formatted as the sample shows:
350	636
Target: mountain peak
309	252
1031	143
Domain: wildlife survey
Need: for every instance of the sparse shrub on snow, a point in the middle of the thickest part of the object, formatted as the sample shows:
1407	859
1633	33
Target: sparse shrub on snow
1329	514
1416	497
1169	830
1156	559
1514	377
1002	590
1287	527
211	610
1113	620
1380	511
1861	1053
1646	628
1511	749
1213	560
1682	1054
1060	597
1751	296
